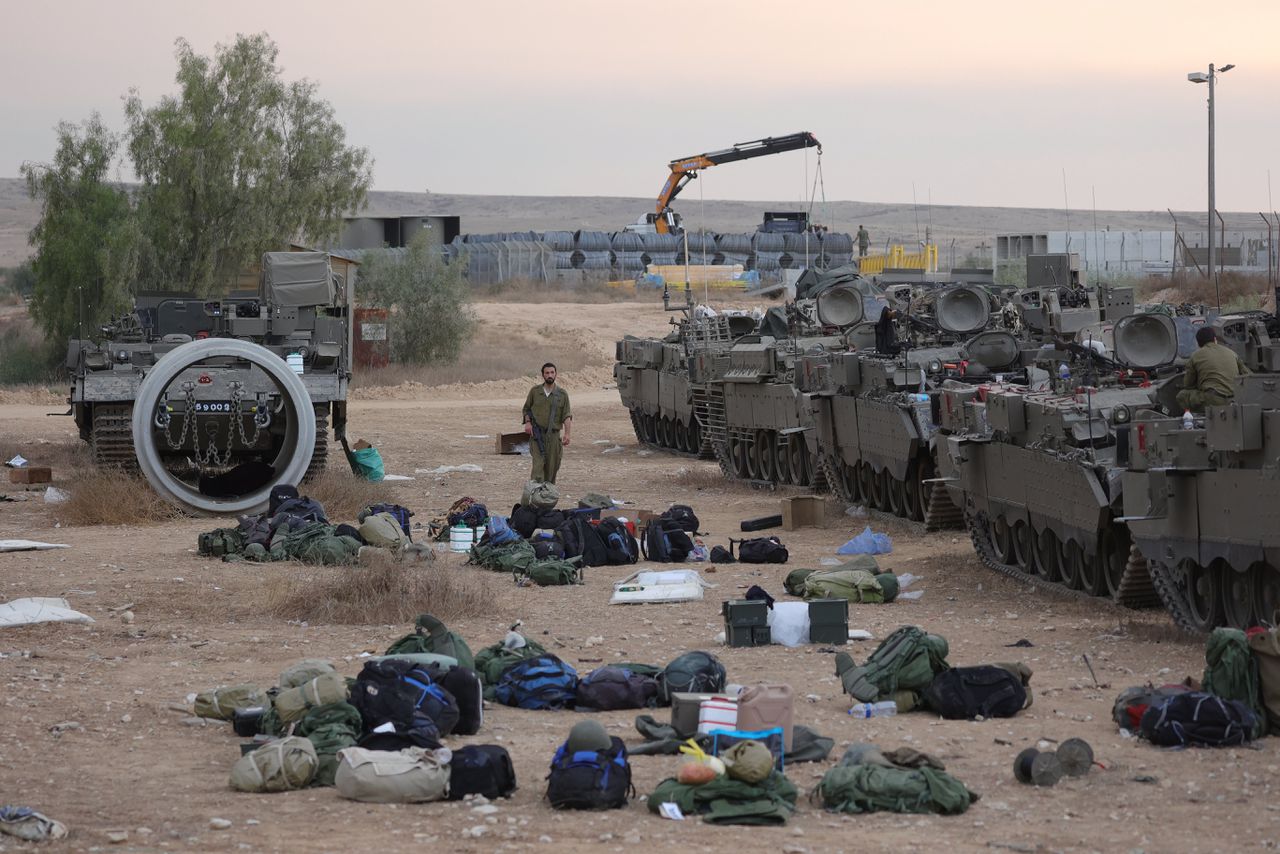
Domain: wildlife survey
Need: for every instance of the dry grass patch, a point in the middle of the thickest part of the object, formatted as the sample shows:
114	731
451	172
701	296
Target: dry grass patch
385	591
112	497
342	494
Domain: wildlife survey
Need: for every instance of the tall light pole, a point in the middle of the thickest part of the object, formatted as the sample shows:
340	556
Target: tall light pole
1202	77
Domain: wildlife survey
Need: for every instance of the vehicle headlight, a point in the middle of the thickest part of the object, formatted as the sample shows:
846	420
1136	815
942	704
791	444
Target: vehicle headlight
122	356
935	366
1120	415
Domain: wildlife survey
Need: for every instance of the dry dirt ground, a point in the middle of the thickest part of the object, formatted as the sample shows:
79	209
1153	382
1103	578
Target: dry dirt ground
89	734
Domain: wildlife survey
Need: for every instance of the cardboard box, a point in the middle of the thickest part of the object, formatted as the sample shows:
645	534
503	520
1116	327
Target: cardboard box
804	511
507	442
31	474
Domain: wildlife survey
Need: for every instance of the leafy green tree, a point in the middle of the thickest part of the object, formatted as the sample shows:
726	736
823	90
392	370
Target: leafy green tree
426	300
237	163
81	217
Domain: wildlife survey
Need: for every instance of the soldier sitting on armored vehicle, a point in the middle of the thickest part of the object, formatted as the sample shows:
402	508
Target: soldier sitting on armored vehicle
1210	378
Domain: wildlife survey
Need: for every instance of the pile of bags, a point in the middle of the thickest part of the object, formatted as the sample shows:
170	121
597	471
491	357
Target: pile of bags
295	528
903	780
1236	701
859	580
910	669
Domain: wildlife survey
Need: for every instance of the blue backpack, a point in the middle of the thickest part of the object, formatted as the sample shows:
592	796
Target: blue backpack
498	532
590	779
541	682
401	515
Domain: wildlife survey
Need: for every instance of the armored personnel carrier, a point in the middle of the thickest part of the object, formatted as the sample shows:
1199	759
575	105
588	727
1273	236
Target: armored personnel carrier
217	399
1201	499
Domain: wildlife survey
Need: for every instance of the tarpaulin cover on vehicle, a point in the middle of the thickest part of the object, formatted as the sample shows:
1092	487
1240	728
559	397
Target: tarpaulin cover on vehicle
296	278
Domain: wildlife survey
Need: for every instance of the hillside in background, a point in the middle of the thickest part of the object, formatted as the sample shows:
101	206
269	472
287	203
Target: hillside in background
967	227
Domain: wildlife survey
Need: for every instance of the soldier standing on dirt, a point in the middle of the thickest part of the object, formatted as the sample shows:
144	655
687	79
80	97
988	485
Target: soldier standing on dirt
864	241
1210	378
546	421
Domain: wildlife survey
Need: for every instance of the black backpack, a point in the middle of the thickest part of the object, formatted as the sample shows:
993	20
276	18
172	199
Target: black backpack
694	672
421	733
523	520
665	542
683	516
280	493
608	688
719	554
396	691
1197	718
549	520
481	769
548	548
964	693
468	691
762	550
620	546
581	539
590	779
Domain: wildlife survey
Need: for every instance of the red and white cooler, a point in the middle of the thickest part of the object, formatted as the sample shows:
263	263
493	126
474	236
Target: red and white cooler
717	713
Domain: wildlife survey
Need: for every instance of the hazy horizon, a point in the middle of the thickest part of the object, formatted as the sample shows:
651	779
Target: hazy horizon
992	104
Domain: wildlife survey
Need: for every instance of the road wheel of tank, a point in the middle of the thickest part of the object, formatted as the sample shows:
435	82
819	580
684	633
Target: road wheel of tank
1070	565
744	450
880	490
849	481
798	460
735	457
1113	558
1204	595
1237	594
650	431
766	461
866	480
1001	540
1046	557
1266	592
782	459
1091	573
917	502
897	495
1023	549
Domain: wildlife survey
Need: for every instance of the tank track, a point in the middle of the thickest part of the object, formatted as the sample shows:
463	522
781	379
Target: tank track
111	436
1140	584
1171	595
942	513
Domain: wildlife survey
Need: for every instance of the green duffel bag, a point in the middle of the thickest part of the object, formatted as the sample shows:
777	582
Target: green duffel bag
303	671
410	776
220	542
876	788
794	583
330	729
326	688
492	661
221	703
550	573
540	495
282	765
383	530
856	585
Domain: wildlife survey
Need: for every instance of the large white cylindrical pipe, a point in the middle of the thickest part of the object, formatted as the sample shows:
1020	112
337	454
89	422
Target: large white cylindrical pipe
299	439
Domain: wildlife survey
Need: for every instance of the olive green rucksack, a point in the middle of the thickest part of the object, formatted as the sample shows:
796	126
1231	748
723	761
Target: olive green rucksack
329	728
492	661
856	585
906	661
432	635
550	573
1230	672
220	542
794	583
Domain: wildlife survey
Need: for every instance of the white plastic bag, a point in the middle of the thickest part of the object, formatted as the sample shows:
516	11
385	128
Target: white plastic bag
789	623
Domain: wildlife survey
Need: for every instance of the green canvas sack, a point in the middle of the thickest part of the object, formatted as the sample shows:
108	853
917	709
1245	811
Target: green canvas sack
540	495
329	729
220	542
794	583
326	688
1230	672
277	766
383	530
550	573
727	801
856	585
221	703
1266	653
410	776
907	660
303	671
431	635
868	788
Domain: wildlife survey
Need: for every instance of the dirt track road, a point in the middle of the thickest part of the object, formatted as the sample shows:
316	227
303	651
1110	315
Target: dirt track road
89	737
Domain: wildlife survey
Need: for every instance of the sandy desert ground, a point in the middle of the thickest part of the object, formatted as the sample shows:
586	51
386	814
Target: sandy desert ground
90	734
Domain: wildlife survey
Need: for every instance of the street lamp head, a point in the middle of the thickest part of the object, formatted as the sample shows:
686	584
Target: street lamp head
1198	77
1224	69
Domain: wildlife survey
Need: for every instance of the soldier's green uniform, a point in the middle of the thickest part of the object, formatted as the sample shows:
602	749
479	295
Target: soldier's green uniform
549	412
864	241
1210	379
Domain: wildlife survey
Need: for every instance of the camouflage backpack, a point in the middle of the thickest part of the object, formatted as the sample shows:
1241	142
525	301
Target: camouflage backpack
549	573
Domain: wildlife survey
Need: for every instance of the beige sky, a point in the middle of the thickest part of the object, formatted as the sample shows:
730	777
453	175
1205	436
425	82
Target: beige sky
972	102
